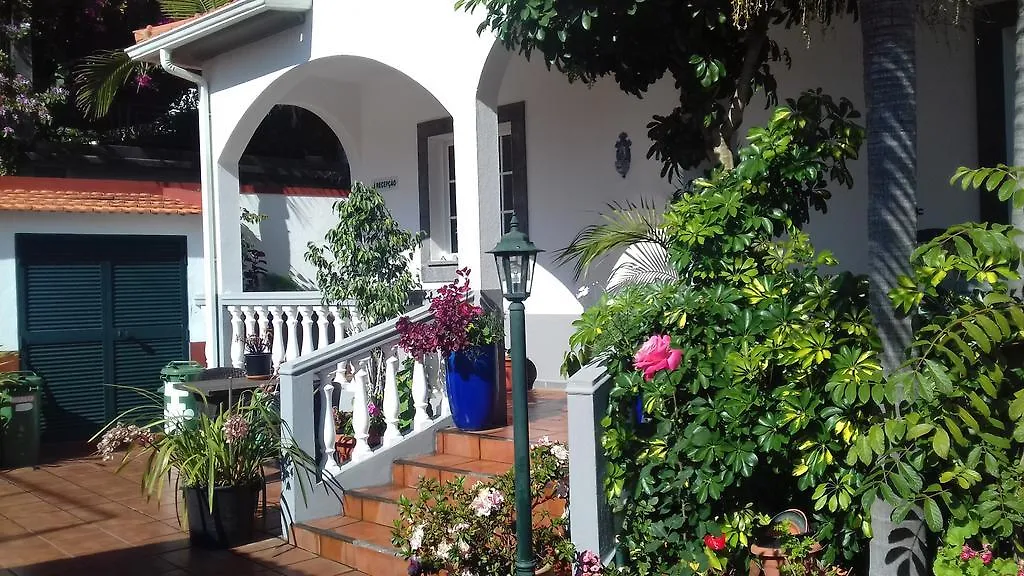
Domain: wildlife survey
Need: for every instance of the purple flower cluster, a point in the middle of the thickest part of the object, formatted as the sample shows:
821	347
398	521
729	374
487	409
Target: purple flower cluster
449	330
985	554
235	428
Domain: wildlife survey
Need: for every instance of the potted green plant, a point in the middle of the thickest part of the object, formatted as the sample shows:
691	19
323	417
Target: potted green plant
219	460
344	441
468	338
258	361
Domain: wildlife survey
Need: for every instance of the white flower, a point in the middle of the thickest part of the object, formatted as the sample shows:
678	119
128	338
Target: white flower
487	499
416	540
444	548
463	547
544	441
560	453
582	292
565	513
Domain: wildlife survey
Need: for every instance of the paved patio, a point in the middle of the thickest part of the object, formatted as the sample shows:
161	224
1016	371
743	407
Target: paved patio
76	516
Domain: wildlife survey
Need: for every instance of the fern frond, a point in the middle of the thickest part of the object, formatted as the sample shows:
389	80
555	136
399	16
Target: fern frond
98	77
623	225
188	8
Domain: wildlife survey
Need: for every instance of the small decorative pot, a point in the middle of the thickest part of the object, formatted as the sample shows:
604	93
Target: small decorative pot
343	447
472	387
258	366
230	523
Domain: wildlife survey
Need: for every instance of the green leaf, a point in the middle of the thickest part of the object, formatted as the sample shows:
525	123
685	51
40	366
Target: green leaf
979	336
932	515
940	443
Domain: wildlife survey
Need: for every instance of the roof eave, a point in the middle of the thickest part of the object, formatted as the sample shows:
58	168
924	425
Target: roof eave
235	14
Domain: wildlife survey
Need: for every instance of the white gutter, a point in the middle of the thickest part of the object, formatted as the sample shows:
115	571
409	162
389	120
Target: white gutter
211	313
212	23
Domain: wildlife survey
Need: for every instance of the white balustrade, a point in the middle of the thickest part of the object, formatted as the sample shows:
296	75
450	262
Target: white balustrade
291	347
306	313
250	322
264	320
420	419
321	327
329	464
392	434
237	337
277	348
360	415
339	324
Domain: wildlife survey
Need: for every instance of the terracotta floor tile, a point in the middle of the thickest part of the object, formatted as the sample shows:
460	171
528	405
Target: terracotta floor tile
316	567
135	533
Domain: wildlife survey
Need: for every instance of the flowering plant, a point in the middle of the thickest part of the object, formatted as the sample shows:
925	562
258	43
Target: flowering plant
964	553
456	326
207	452
258	343
462	530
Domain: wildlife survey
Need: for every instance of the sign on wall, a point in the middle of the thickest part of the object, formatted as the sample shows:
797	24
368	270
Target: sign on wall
385	183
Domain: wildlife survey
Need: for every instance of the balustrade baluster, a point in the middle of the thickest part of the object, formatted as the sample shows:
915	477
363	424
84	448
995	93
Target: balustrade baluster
237	337
277	348
292	324
250	322
419	397
307	330
339	324
440	384
392	434
321	328
263	322
330	464
360	415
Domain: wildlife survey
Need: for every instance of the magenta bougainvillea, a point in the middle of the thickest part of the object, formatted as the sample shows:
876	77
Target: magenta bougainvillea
457	325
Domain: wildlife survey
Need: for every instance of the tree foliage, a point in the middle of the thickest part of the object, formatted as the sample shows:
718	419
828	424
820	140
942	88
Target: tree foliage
366	257
717	52
744	425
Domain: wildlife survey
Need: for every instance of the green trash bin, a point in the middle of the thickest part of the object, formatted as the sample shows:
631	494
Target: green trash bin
19	417
180	405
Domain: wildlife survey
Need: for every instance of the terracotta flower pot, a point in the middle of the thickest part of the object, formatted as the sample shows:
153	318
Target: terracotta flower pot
768	561
343	447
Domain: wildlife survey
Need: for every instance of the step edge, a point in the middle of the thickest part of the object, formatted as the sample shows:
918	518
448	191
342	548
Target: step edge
451	467
359	493
483	435
368	544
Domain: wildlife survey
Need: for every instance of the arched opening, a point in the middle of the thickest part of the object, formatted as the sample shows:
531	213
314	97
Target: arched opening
293	164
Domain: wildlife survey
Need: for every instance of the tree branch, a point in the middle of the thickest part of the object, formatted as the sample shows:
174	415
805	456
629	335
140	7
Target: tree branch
756	36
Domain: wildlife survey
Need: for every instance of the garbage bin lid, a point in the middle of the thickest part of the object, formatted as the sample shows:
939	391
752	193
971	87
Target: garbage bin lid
181	368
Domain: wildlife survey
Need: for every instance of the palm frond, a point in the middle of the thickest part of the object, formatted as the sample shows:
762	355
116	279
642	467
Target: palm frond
187	8
99	76
623	225
642	263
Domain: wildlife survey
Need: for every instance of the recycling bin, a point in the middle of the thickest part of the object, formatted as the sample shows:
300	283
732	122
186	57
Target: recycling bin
180	407
19	419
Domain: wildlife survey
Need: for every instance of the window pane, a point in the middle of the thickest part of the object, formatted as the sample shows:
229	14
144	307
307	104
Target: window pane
455	236
451	162
505	160
508	193
451	200
506	221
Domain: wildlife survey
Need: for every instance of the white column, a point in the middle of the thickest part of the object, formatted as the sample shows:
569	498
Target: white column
441	385
339	324
321	328
392	435
229	241
307	330
277	347
212	312
237	336
292	323
478	200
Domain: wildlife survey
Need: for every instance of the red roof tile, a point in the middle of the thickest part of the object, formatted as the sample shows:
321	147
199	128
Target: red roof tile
24	194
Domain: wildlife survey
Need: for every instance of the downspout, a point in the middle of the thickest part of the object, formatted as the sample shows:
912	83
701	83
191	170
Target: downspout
211	314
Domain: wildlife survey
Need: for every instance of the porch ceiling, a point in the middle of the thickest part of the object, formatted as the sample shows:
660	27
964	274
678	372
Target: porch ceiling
234	25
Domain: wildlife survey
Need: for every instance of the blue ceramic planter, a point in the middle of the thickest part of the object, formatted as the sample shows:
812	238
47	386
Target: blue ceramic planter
472	387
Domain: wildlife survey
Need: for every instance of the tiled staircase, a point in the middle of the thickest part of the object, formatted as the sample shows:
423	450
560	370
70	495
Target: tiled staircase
361	538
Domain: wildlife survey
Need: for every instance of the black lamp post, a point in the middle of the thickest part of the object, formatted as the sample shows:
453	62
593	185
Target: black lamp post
516	256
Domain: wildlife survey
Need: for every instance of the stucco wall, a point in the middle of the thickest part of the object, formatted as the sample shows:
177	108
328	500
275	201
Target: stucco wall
372	99
292	221
14	223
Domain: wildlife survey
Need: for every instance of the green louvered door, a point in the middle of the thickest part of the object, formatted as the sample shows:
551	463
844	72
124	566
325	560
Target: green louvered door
97	310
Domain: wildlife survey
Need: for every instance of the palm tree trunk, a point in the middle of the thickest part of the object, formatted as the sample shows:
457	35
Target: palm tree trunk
890	85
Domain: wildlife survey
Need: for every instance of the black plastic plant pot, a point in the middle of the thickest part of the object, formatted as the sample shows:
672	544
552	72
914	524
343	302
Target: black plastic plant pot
258	365
231	522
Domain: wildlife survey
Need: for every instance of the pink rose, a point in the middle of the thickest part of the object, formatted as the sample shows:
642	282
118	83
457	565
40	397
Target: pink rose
656	355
